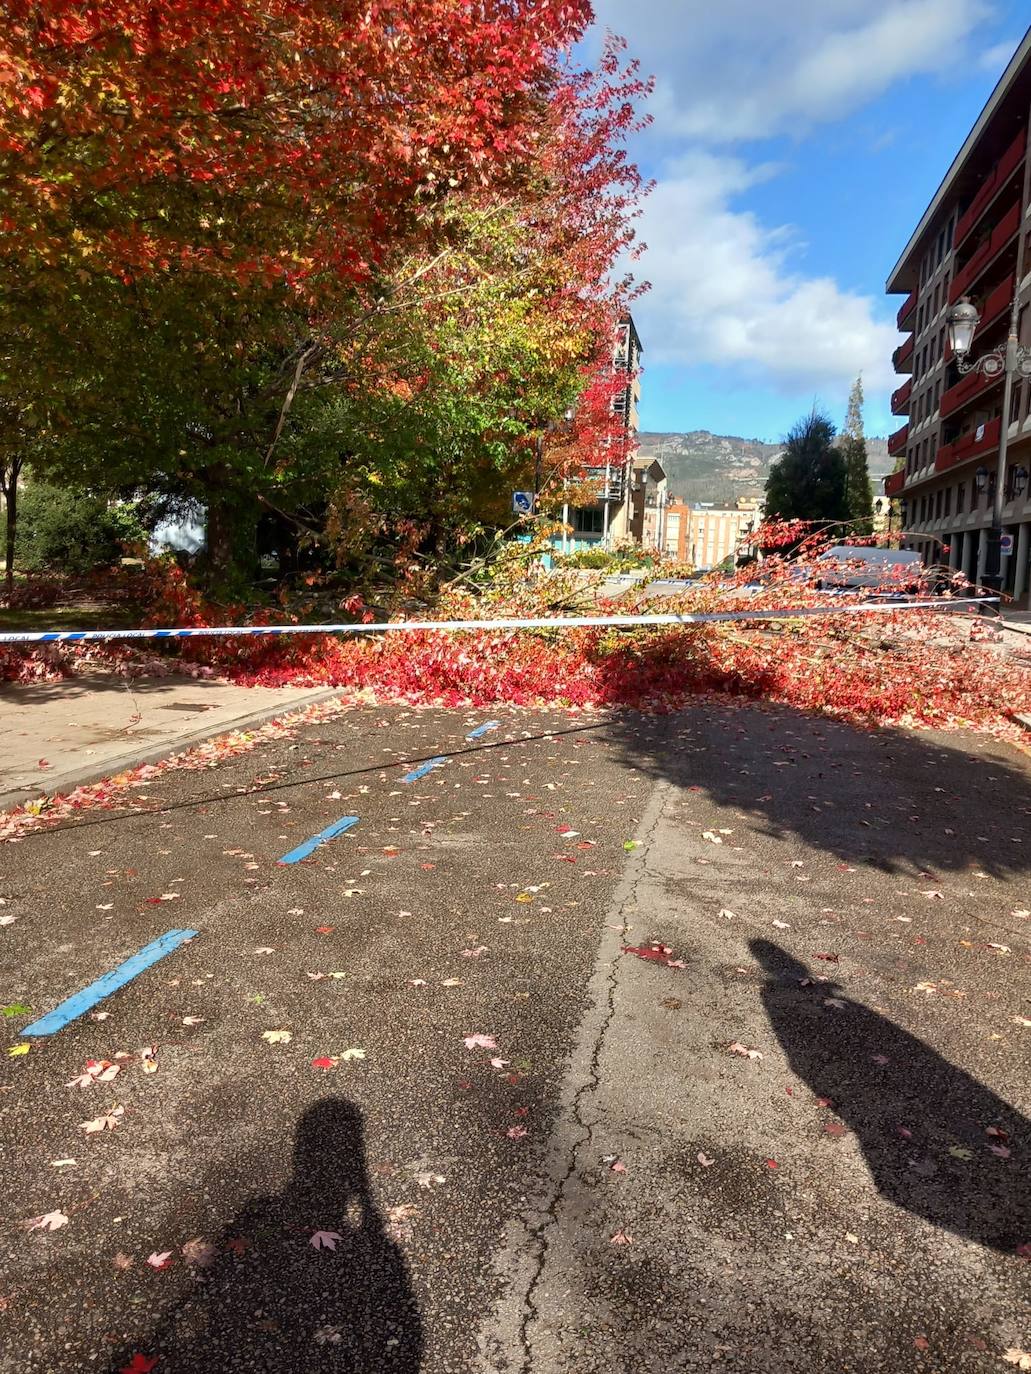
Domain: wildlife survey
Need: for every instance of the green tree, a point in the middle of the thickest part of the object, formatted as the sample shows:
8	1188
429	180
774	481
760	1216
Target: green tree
808	481
858	494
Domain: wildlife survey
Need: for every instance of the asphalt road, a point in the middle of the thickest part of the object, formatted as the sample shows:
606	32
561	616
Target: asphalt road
608	1186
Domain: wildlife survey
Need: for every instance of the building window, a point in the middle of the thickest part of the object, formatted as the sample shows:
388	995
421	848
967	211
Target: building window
948	502
1015	400
937	393
589	520
948	235
939	498
961	498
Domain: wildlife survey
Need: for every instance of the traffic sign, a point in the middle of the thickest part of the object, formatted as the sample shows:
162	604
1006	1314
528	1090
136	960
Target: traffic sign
1005	545
522	502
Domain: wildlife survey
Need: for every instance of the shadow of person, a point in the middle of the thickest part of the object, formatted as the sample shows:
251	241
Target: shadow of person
272	1302
921	1122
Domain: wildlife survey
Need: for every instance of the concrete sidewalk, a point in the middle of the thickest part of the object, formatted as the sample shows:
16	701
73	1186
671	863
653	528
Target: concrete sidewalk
58	735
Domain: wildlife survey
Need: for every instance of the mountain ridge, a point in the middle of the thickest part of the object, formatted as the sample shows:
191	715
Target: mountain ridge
702	466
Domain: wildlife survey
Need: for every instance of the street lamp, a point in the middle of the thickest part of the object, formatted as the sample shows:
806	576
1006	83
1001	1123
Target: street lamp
1012	360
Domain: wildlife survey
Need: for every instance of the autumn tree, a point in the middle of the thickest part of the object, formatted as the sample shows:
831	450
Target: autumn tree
209	204
852	445
807	482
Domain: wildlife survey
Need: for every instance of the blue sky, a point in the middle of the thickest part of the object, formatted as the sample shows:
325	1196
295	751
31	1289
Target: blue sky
795	146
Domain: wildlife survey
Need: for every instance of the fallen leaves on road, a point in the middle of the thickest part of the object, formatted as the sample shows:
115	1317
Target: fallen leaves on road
50	1221
325	1240
140	1364
277	1037
96	1071
706	1161
736	1047
353	1053
105	1122
16	1051
428	1180
621	1238
656	953
200	1253
1014	1355
160	1259
480	1042
324	1061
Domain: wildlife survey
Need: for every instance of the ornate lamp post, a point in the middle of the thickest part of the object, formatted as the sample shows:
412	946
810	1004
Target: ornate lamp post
1013	360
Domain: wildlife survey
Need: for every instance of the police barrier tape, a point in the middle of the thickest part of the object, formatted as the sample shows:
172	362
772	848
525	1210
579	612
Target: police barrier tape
538	623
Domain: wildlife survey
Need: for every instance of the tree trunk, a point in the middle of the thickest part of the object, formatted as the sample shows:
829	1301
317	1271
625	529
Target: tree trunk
230	555
11	503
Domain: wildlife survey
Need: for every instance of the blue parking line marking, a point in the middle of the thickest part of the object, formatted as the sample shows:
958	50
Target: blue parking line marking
81	1002
309	846
423	769
483	729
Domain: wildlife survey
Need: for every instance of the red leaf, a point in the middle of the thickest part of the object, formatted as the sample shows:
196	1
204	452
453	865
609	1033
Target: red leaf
323	1062
141	1364
828	958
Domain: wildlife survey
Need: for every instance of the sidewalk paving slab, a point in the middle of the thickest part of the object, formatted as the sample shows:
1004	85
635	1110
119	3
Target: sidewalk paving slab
61	735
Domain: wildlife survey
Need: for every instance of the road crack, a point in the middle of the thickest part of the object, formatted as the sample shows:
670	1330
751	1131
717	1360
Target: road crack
539	1235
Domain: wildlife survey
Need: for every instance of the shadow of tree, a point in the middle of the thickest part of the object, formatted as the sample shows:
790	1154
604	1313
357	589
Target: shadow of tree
901	801
272	1302
921	1122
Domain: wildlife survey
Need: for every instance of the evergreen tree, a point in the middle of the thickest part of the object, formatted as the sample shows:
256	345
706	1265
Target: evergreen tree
859	495
808	481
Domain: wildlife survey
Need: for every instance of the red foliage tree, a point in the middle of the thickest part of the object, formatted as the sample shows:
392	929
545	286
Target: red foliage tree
272	140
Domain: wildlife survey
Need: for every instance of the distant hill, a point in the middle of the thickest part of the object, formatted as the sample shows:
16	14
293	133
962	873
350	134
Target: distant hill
720	467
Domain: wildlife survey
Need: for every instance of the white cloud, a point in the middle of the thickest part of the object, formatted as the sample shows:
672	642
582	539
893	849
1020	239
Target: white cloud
997	58
726	290
747	69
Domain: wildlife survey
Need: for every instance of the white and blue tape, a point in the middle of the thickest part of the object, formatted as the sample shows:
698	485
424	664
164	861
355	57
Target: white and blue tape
535	623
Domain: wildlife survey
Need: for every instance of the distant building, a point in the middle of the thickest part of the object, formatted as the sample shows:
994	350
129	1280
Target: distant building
972	240
704	535
610	519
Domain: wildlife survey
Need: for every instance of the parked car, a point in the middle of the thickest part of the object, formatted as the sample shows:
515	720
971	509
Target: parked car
853	567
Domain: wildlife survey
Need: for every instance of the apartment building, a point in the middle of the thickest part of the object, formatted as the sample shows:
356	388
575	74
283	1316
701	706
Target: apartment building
704	535
611	519
973	240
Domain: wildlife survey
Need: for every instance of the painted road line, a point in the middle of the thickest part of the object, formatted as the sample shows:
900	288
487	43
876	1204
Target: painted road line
423	769
323	837
629	622
483	729
80	1002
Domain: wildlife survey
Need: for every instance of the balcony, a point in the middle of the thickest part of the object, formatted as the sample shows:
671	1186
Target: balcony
971	445
966	389
1001	235
900	398
990	188
906	310
894	483
902	358
997	304
611	482
897	442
